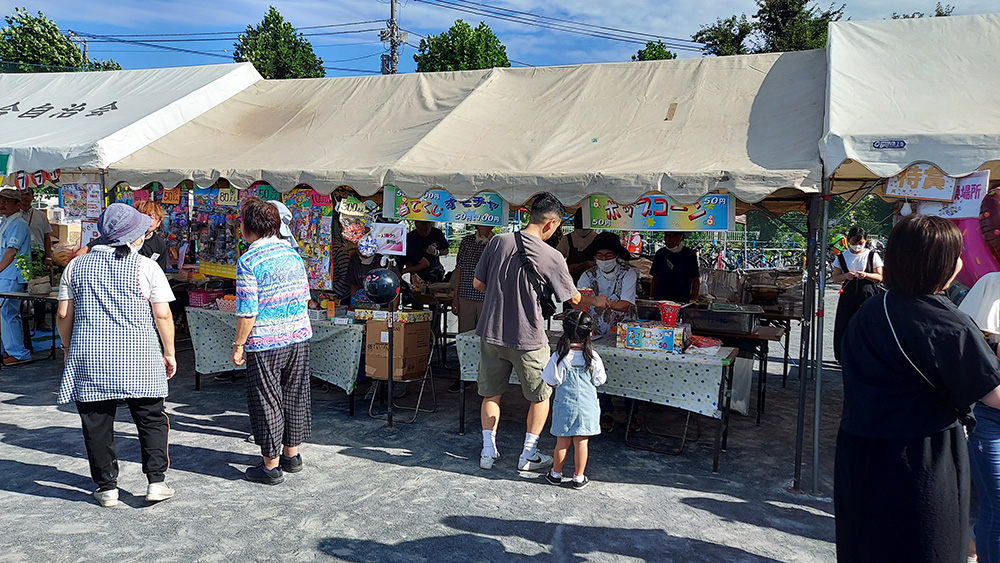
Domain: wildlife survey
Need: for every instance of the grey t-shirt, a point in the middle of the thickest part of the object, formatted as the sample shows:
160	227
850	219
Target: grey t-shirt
511	315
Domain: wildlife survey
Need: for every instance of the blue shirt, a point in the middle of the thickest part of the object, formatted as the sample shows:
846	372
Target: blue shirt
14	234
271	284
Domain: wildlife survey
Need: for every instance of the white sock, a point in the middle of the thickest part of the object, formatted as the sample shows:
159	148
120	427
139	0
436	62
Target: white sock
490	442
530	445
578	478
555	475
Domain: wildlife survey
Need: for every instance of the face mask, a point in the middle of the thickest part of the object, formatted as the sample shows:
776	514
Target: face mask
607	266
481	239
367	260
675	249
856	248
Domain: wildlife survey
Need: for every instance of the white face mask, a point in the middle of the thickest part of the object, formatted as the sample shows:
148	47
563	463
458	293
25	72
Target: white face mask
607	266
481	239
855	248
676	249
366	260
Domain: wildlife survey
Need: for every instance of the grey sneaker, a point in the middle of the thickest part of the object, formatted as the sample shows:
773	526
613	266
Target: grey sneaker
538	461
107	498
486	461
156	492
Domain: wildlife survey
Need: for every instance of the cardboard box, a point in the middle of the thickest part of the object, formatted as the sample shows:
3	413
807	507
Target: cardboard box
406	368
67	232
408	339
653	336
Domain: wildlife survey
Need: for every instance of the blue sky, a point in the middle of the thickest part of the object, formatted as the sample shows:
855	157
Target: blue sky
526	44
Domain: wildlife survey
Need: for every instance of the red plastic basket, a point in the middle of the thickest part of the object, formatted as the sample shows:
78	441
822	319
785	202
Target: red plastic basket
203	297
668	312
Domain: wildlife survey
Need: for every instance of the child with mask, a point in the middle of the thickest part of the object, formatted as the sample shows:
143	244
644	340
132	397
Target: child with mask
675	271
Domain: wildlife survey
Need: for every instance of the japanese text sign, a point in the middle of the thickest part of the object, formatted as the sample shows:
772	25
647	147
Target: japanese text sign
390	237
660	213
172	197
71	110
94	196
266	192
439	206
921	181
969	193
228	196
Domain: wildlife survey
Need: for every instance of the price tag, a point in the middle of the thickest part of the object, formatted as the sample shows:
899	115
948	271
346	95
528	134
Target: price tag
267	193
319	199
172	197
140	195
228	196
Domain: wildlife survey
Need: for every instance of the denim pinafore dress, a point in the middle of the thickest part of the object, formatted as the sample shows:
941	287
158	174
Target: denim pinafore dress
575	410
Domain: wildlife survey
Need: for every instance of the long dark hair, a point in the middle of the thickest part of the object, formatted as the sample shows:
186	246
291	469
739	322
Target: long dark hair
577	328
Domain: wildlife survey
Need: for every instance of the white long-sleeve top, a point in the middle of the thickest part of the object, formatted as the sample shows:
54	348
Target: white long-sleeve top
555	371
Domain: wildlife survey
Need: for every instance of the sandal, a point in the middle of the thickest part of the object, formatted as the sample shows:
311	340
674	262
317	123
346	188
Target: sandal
607	422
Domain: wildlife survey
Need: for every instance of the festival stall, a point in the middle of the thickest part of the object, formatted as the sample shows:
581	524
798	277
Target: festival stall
906	120
699	134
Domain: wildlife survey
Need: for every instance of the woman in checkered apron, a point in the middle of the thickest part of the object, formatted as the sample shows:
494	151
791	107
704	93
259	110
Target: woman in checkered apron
112	304
273	332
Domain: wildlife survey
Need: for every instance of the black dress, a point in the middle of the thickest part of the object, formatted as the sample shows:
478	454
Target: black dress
901	481
852	295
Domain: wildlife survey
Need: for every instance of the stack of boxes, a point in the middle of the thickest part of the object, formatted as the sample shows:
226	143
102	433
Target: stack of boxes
411	347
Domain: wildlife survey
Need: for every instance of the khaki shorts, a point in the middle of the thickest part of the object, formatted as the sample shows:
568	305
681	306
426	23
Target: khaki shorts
496	362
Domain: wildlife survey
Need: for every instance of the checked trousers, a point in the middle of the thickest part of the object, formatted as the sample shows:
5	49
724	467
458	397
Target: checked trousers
278	397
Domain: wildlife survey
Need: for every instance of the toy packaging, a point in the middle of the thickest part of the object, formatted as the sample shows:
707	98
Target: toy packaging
651	335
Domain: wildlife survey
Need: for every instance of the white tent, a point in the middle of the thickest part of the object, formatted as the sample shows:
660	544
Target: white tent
916	90
84	121
747	124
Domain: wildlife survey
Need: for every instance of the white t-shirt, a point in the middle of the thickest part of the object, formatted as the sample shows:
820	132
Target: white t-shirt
152	281
38	225
555	373
858	262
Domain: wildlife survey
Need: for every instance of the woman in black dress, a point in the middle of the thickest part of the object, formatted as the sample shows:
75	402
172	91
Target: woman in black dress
913	366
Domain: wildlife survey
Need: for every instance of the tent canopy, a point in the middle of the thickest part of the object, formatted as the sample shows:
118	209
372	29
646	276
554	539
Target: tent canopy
84	121
915	90
747	124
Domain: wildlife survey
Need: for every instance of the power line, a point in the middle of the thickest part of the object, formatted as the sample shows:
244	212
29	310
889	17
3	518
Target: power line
547	25
163	47
111	38
352	70
355	58
192	34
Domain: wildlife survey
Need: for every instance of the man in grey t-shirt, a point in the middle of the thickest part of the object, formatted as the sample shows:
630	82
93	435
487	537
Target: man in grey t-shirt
512	328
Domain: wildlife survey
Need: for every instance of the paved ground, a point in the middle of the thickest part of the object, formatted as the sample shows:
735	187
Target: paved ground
414	494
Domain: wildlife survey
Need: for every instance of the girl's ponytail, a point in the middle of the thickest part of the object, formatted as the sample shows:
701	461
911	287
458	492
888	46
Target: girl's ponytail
577	327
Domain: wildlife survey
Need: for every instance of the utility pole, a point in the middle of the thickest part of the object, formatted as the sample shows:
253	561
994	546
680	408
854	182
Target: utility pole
79	40
395	39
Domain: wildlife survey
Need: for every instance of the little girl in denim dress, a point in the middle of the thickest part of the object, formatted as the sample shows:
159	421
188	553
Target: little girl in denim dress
575	371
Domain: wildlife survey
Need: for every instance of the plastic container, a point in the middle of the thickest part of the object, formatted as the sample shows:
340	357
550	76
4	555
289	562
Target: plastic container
226	305
204	297
669	310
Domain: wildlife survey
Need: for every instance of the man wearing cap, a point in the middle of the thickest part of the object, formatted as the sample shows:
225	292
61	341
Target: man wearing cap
15	240
675	271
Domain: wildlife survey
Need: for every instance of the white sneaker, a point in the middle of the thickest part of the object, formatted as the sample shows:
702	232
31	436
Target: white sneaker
486	461
107	498
156	492
538	461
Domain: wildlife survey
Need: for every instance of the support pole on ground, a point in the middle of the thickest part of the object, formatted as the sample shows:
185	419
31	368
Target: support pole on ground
820	313
806	337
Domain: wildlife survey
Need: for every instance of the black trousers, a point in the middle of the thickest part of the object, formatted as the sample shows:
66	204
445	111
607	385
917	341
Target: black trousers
151	421
278	397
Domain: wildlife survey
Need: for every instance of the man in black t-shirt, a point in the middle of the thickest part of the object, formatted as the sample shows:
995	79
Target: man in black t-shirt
425	245
675	271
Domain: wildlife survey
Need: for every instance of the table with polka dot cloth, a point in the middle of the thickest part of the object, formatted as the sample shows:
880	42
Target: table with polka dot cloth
334	350
686	381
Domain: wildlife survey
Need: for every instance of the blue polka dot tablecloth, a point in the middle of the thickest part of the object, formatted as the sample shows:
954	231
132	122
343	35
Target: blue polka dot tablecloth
686	381
334	350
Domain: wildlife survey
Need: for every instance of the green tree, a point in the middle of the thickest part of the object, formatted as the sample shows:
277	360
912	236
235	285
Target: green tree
727	36
654	52
35	44
276	51
779	25
939	11
461	48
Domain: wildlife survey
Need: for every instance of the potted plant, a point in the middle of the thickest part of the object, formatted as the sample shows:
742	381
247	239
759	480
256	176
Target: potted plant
35	272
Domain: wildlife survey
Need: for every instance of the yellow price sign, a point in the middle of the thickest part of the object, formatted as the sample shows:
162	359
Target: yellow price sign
228	196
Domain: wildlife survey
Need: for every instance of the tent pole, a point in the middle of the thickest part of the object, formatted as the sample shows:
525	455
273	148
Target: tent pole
806	337
820	313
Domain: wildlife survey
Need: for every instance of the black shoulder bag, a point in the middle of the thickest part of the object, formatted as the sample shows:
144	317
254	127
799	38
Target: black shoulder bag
545	301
